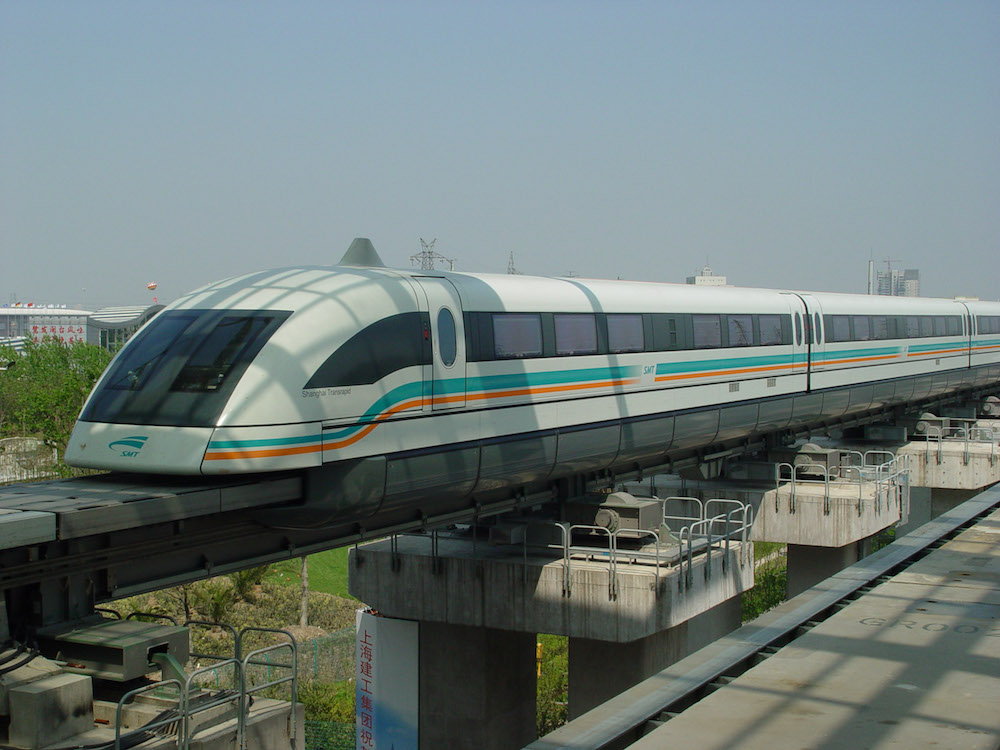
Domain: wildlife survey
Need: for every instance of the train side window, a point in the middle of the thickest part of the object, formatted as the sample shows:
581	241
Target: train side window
838	328
770	330
912	327
707	331
740	330
517	335
953	325
665	333
880	327
384	347
625	334
447	341
818	328
926	325
798	329
862	328
940	326
576	333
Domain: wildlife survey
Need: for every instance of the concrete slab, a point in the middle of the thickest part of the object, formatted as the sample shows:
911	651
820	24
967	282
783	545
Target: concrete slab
500	587
819	515
20	528
953	464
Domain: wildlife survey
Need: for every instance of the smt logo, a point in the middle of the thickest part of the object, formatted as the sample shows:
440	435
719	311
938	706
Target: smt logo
132	445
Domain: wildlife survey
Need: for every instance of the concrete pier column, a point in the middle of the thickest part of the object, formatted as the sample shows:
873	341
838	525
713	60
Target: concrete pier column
600	670
808	565
943	500
477	687
927	503
920	511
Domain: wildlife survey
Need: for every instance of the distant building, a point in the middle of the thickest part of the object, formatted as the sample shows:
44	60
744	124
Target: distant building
894	282
705	277
110	327
35	322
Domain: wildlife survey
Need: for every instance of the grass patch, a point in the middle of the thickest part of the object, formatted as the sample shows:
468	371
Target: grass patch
327	572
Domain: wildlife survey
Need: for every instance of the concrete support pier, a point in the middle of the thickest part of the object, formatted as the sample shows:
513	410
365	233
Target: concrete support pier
627	614
600	670
473	683
808	565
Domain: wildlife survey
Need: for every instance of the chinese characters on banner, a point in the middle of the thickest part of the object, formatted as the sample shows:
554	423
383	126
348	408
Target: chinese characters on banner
67	334
386	683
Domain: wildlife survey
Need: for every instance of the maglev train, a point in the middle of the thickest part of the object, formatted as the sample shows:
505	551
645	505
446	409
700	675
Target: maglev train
398	384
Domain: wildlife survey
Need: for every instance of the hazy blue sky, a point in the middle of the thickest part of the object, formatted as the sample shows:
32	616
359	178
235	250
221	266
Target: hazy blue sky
787	142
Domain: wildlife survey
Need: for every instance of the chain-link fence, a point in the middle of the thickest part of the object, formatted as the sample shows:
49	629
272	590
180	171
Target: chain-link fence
329	658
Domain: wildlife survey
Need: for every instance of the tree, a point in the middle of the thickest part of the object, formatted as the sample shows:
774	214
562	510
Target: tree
304	600
42	390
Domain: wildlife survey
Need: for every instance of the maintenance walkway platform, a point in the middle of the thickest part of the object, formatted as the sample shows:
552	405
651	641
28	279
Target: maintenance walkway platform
900	650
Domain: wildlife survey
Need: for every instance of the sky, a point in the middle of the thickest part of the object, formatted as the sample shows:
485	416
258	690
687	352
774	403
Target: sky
783	143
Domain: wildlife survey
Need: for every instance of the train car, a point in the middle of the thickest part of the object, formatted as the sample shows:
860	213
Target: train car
400	384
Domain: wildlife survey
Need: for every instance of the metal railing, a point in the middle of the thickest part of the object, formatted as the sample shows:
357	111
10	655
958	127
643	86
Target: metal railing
736	523
247	689
936	434
701	534
887	472
240	697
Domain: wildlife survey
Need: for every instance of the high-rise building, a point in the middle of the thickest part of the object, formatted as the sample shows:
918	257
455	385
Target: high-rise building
895	282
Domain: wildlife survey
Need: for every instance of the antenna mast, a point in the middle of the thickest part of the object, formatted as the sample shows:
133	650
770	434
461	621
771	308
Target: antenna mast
426	257
510	266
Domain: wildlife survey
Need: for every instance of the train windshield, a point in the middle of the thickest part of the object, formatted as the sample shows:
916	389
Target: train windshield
180	369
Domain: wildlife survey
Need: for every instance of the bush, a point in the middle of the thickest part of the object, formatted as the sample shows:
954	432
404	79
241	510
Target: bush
769	590
550	713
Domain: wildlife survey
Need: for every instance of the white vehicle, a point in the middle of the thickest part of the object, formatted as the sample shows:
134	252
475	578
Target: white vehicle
401	383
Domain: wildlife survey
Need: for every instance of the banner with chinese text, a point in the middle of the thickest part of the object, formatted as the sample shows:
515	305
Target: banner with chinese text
387	686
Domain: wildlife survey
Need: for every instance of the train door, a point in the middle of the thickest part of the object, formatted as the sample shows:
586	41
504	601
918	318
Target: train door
807	334
967	324
444	309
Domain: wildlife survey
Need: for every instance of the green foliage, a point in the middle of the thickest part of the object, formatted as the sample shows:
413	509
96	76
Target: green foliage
770	582
328	702
43	390
883	539
274	606
245	581
214	599
553	687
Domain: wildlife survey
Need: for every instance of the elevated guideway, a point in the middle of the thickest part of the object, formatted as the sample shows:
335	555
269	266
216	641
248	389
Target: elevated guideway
898	650
68	544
